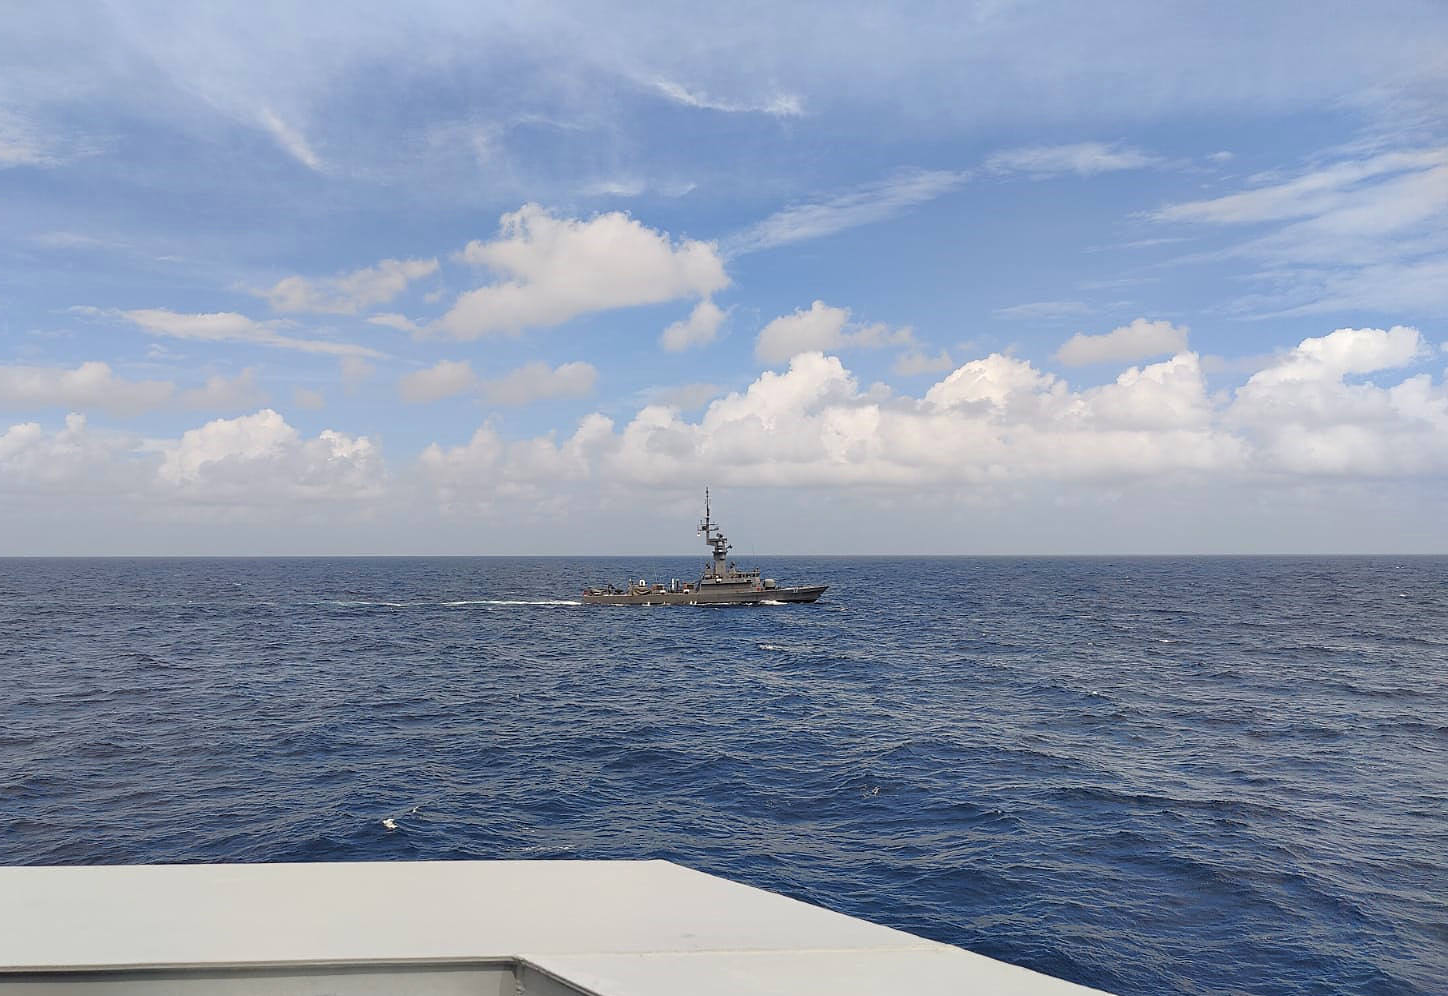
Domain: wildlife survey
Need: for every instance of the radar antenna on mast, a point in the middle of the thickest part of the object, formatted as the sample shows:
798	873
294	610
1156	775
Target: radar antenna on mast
715	538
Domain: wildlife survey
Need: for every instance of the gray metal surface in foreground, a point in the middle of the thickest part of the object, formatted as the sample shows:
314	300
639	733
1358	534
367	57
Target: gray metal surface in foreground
542	928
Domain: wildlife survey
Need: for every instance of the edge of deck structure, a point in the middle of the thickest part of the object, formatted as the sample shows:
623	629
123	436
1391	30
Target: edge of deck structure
606	928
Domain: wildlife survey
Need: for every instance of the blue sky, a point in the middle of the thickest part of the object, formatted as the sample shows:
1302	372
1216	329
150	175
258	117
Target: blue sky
995	277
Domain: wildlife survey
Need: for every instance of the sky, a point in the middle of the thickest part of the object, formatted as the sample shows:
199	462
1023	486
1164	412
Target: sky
992	277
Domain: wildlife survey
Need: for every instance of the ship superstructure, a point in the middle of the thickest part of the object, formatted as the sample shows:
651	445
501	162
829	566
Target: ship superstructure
721	583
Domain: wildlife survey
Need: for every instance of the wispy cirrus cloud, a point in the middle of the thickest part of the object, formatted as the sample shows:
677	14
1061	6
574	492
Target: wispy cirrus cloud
528	383
779	105
1400	287
862	205
1315	193
1082	159
24	142
292	141
1150	243
1044	310
77	240
347	293
393	320
228	326
1368	232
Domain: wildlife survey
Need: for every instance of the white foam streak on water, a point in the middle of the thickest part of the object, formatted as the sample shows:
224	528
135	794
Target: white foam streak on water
356	604
1238	753
457	603
509	601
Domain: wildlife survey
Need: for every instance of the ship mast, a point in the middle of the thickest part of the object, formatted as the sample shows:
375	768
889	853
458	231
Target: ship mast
715	539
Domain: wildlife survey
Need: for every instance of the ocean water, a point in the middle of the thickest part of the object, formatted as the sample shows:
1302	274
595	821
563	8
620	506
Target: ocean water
1148	775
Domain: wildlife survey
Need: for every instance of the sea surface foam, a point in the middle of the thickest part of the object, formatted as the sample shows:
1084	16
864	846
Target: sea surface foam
1151	775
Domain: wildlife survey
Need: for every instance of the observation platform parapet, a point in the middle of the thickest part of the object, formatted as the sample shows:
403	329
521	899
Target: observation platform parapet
447	928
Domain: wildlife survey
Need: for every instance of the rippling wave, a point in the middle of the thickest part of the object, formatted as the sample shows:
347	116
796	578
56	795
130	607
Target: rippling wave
1148	775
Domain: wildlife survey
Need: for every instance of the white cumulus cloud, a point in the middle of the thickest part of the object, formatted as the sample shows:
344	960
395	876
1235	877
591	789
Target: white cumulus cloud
992	382
823	328
1001	421
91	385
72	461
355	370
540	382
1347	351
698	329
309	399
554	269
687	397
1140	340
486	469
993	420
916	362
1339	410
94	386
443	380
1309	416
259	459
222	392
250	463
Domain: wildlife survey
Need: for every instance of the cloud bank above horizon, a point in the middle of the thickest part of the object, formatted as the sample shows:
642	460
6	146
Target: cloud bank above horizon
260	296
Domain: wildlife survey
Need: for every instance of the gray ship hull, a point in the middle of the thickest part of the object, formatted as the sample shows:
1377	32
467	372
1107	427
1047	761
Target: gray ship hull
722	583
728	595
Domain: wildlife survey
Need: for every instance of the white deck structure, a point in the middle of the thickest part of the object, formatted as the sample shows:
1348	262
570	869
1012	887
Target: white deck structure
500	928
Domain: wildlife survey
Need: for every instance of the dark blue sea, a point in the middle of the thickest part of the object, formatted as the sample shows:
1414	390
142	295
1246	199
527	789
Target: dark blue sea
1149	775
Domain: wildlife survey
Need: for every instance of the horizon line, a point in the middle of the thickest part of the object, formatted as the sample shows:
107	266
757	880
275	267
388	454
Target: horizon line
692	556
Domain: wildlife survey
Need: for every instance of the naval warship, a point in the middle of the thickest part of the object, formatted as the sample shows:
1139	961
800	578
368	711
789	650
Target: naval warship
722	583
